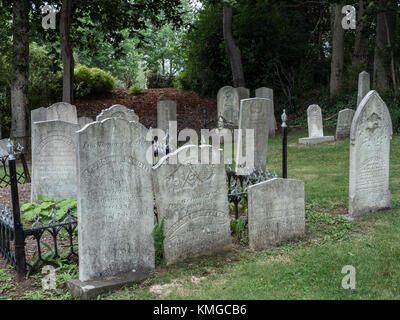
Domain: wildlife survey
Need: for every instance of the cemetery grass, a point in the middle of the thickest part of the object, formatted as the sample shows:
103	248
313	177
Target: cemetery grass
305	268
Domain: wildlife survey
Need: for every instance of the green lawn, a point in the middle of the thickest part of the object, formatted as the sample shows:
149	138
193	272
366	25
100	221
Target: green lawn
306	268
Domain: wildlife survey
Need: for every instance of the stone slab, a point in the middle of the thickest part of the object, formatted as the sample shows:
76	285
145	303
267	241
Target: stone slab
118	111
228	104
316	140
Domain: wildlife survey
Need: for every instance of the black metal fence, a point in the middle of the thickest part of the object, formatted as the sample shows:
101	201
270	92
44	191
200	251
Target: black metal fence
12	232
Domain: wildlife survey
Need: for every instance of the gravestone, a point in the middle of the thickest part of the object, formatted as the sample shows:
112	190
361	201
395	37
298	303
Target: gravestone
3	148
343	125
364	85
118	111
192	199
370	136
315	128
54	159
276	212
61	111
254	116
83	121
228	103
243	93
268	93
115	201
166	112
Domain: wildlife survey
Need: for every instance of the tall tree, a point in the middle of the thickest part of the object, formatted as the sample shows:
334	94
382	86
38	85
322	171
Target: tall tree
66	51
19	85
232	49
337	49
360	53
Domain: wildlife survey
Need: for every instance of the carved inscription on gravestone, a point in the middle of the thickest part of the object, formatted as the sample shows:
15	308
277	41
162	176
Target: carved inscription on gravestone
192	200
370	136
115	201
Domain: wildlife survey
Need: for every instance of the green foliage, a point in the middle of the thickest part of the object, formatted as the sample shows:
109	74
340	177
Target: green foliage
92	80
158	234
157	80
238	228
135	89
44	206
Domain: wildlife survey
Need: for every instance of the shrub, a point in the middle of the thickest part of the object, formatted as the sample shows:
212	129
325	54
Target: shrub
156	80
92	80
135	89
158	234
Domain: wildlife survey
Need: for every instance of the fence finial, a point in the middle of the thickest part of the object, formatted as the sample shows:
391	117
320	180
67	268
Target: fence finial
284	119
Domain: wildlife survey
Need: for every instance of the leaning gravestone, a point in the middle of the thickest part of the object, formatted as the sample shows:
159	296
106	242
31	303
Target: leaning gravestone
315	128
343	125
370	136
364	85
191	197
276	212
83	121
54	159
268	93
254	116
228	103
243	93
115	205
118	111
166	112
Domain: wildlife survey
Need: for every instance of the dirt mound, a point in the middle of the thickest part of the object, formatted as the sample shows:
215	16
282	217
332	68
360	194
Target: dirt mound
189	106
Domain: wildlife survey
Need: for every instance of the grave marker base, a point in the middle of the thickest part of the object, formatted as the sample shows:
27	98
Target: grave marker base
316	140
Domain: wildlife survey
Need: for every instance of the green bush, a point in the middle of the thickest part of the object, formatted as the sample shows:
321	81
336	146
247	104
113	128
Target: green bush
92	80
158	234
156	80
135	89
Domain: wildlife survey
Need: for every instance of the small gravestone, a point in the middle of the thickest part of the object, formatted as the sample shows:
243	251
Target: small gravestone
118	111
115	205
253	116
61	111
243	93
166	112
83	121
343	126
370	136
315	128
276	212
228	103
268	93
191	200
364	85
54	159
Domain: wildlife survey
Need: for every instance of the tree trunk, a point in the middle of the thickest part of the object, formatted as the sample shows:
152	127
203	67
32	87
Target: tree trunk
66	51
337	50
19	85
360	53
384	63
232	50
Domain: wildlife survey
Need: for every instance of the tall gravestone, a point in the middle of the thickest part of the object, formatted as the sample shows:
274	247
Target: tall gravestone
61	111
115	201
254	116
343	125
370	136
83	121
243	93
54	159
166	112
276	212
268	93
364	86
118	111
191	197
315	128
228	103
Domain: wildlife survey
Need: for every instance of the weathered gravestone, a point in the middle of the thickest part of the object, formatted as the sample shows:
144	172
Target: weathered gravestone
83	121
54	159
268	93
166	112
253	118
61	111
370	136
228	103
192	199
118	111
243	93
364	85
315	128
276	212
115	205
343	125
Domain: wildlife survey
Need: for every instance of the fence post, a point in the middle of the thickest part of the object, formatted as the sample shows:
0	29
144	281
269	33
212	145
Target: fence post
284	145
19	240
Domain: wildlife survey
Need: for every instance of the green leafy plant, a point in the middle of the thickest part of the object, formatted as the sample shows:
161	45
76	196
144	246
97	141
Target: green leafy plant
158	234
92	80
135	89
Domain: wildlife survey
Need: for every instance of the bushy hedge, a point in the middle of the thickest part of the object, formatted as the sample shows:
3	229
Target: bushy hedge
92	80
135	89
